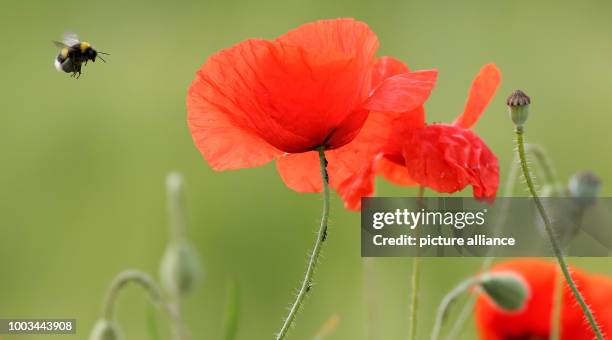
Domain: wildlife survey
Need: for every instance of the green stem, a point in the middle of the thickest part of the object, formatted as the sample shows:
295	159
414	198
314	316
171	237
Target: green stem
371	298
146	282
555	245
316	250
230	324
414	298
550	177
416	272
447	301
555	333
176	211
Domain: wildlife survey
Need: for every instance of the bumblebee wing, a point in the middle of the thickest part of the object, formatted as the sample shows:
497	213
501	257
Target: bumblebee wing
59	44
71	39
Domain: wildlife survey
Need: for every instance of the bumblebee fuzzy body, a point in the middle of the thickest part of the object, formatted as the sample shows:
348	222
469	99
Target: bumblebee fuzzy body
74	54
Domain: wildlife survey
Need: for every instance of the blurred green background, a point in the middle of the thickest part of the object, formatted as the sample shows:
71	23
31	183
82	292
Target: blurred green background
83	162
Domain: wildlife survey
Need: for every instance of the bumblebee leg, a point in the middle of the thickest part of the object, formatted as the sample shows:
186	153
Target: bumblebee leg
78	71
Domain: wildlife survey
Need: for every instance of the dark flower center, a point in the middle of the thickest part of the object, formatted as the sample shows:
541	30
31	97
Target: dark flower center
526	337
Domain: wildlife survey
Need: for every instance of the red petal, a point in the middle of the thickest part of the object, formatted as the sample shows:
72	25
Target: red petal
482	91
447	158
301	171
534	320
403	92
221	114
351	167
353	189
391	164
386	67
302	90
344	36
320	76
394	172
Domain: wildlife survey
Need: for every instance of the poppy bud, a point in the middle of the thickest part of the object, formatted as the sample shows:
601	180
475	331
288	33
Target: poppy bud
180	268
105	330
584	187
507	290
518	102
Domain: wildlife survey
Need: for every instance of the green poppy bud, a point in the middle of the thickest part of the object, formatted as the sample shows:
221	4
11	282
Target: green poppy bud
180	268
506	289
105	330
584	187
518	102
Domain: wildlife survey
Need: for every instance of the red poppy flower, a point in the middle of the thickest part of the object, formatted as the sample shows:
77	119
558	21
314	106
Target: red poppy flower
443	157
534	321
311	87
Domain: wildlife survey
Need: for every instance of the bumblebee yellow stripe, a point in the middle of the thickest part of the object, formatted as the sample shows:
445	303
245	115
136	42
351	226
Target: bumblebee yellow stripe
84	46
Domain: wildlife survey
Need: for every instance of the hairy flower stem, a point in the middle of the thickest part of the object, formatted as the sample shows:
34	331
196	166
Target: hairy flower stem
316	251
555	322
549	230
146	282
416	275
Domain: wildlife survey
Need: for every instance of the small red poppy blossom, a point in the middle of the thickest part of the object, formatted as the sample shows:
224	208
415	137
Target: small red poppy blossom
443	157
534	320
312	87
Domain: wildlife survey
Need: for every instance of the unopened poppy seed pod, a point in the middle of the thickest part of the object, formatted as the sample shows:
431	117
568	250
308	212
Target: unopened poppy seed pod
506	289
584	187
518	102
180	268
105	330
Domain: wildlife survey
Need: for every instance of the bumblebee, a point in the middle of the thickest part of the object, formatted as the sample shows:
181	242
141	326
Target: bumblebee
74	53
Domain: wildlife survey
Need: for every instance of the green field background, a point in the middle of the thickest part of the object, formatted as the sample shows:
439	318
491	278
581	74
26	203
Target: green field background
83	162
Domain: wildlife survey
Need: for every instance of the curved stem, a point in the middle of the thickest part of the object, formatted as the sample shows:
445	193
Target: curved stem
146	282
447	301
459	323
544	161
316	250
416	273
549	230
